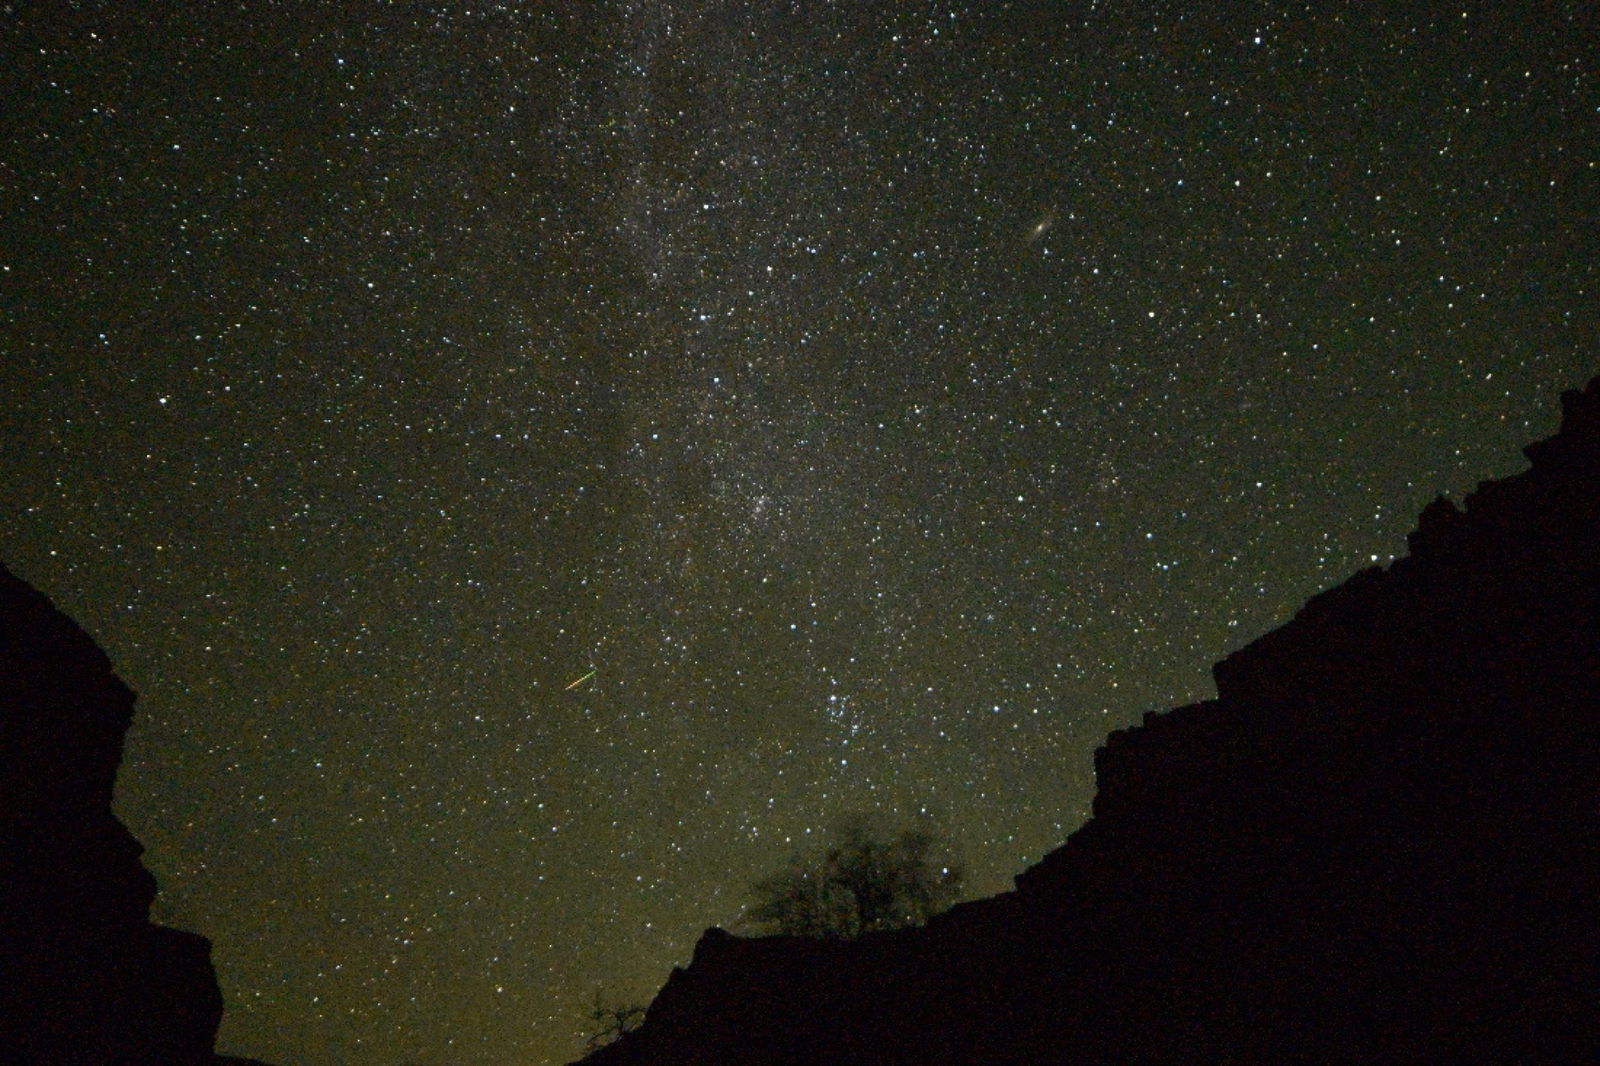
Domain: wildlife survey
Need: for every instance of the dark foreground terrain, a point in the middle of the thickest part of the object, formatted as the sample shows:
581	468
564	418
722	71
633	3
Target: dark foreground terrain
85	978
1380	843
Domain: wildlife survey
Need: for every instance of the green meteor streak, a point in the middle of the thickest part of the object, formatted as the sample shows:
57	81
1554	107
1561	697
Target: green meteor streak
581	680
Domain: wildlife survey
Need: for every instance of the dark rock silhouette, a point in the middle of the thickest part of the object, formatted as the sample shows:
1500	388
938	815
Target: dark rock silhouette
1380	843
85	978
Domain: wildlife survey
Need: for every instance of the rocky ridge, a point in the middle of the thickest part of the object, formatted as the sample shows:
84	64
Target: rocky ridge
1379	843
85	977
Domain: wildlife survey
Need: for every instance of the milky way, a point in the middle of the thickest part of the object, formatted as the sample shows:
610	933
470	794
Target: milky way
883	401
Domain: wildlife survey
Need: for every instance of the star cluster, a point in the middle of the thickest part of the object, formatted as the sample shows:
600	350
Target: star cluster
883	400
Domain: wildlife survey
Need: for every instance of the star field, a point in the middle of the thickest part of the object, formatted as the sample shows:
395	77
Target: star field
884	401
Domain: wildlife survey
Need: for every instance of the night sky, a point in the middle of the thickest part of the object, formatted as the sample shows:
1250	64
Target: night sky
883	400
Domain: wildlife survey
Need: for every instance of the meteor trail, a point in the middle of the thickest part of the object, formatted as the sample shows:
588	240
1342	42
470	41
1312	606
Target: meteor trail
581	680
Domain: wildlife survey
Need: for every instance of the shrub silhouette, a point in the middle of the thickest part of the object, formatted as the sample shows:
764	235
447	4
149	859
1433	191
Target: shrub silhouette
859	884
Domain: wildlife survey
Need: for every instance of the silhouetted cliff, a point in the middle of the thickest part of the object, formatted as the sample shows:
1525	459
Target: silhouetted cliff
1380	843
85	978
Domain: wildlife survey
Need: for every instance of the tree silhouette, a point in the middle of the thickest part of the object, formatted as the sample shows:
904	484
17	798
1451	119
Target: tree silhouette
859	884
612	1022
